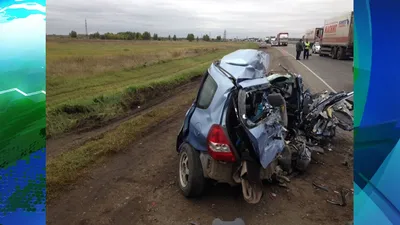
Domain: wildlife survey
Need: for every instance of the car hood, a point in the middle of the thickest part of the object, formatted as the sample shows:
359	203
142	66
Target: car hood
246	64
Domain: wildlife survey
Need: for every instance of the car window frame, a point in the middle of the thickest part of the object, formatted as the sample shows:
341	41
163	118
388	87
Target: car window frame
201	91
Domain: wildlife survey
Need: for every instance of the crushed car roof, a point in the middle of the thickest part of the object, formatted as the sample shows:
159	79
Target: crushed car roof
246	64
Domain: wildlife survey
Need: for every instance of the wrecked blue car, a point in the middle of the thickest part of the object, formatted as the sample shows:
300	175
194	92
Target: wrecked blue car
247	125
234	129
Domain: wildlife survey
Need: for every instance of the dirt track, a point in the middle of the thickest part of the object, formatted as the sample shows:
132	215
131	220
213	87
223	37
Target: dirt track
139	186
60	144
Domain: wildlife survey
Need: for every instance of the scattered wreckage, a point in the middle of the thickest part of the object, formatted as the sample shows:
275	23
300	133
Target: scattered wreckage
247	125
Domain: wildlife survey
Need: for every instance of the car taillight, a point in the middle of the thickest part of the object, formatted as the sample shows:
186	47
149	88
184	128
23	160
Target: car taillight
218	145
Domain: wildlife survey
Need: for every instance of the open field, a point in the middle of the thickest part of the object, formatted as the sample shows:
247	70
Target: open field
90	82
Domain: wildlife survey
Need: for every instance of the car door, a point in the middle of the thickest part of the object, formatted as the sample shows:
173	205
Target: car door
201	119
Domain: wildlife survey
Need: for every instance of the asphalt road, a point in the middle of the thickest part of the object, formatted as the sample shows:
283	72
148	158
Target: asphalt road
337	74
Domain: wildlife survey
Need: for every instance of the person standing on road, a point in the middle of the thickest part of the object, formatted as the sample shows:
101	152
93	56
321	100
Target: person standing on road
299	49
306	49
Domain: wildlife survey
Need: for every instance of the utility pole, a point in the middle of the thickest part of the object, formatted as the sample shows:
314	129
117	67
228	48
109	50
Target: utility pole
86	28
224	35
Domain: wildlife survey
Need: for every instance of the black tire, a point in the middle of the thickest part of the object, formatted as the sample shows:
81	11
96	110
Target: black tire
195	180
334	52
341	53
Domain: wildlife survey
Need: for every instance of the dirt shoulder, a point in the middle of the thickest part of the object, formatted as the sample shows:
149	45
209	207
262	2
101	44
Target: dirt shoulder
57	145
138	186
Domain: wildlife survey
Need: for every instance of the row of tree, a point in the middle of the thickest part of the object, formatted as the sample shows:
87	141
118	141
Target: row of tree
141	36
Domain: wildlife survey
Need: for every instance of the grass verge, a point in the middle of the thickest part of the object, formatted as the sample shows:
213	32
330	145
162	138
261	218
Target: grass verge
68	167
85	58
85	103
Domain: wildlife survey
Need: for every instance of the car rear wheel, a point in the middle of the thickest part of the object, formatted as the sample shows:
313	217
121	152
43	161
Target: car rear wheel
191	180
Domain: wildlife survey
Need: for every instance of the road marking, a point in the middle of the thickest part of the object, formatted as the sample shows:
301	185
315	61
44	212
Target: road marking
316	75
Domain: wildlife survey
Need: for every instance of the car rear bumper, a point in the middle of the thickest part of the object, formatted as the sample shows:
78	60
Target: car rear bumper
215	170
223	172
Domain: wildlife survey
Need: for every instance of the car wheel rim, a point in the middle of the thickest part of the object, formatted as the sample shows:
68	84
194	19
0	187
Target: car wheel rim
184	169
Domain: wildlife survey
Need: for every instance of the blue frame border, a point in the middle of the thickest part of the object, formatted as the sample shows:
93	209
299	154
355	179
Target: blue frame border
22	112
377	113
377	118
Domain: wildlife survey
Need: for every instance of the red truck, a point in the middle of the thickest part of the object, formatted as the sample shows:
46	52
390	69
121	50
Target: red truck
282	39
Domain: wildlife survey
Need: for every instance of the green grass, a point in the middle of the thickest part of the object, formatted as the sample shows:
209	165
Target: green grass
91	82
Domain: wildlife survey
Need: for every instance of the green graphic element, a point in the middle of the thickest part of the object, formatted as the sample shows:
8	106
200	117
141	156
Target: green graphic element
23	121
22	109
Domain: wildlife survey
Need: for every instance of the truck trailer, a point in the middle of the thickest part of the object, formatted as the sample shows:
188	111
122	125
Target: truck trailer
282	39
337	37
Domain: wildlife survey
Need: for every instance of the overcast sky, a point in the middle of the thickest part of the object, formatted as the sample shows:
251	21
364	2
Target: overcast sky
252	18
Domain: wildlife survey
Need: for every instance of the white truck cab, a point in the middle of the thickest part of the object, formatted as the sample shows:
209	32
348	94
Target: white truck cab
273	41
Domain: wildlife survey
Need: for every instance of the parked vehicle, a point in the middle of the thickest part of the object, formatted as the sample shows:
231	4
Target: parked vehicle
242	126
282	39
267	40
262	44
315	48
273	41
337	38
